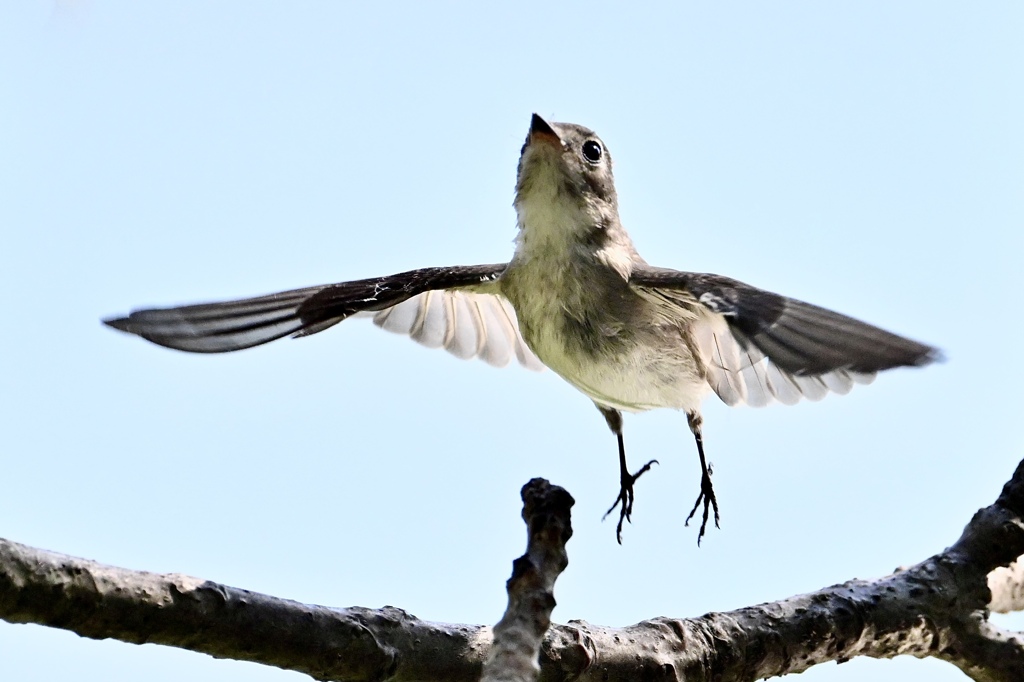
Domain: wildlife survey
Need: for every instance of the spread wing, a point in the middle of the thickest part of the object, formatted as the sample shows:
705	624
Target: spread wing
456	308
758	346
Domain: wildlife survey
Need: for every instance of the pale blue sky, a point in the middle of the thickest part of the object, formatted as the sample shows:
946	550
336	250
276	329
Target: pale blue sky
866	157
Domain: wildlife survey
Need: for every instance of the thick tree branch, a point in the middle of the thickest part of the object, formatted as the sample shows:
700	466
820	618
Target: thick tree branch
104	602
936	608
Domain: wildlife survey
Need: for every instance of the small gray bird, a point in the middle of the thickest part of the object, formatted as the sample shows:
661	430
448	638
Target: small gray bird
578	298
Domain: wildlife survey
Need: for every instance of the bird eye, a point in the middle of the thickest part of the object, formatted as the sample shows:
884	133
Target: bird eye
592	151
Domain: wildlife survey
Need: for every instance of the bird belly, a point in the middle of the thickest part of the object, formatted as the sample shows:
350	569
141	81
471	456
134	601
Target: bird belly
634	381
580	316
616	363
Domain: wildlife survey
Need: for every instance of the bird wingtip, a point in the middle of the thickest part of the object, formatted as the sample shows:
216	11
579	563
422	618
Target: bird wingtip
120	323
933	355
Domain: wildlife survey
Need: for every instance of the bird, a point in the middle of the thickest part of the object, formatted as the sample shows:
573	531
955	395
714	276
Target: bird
576	297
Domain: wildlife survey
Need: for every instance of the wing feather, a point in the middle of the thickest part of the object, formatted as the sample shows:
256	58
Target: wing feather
758	346
456	308
782	386
467	324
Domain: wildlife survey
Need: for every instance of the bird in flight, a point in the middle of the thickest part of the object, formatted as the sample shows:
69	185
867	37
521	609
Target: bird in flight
578	298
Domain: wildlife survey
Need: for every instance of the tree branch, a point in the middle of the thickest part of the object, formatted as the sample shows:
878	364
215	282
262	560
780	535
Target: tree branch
519	634
936	608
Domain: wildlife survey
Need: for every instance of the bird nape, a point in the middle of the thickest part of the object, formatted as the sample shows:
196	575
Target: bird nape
577	297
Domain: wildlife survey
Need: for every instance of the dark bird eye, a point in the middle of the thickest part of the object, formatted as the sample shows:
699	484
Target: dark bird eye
592	151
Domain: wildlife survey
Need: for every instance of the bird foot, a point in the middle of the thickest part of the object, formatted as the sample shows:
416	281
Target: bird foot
707	496
625	499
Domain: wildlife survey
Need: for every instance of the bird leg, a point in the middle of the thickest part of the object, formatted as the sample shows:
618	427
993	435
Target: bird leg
707	491
626	480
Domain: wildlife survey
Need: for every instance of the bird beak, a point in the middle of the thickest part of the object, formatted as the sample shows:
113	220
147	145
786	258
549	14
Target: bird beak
541	131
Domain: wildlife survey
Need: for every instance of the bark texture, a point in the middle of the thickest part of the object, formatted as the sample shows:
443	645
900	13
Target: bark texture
937	608
520	632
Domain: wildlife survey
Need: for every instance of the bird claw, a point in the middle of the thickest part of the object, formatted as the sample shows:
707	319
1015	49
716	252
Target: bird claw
625	499
707	496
